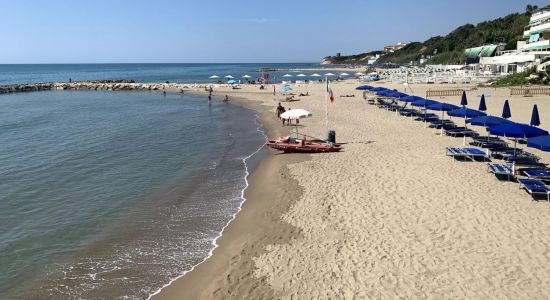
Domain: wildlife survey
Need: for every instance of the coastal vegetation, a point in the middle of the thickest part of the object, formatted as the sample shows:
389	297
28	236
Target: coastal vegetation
530	76
449	49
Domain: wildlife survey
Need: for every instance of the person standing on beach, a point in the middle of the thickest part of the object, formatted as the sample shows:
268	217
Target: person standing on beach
226	99
280	109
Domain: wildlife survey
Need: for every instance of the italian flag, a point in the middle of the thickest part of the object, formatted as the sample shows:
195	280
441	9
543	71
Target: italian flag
329	93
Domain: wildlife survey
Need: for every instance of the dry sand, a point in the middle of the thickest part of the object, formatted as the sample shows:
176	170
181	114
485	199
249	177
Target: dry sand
390	217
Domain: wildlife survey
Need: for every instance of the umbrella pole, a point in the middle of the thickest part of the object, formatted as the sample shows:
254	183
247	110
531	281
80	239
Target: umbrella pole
515	144
464	140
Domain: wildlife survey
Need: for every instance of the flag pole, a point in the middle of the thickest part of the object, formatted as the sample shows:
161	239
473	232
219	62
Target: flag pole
326	103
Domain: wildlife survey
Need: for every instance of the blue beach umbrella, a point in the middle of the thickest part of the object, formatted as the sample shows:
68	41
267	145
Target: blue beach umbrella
391	94
411	99
397	95
516	130
463	101
466	113
383	92
379	88
285	88
487	121
423	103
364	88
441	107
482	106
231	81
535	120
540	142
388	93
506	113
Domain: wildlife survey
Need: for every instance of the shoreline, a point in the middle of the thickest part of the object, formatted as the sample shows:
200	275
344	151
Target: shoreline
245	235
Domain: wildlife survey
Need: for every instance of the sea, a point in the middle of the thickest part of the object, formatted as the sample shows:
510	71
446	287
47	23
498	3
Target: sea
114	194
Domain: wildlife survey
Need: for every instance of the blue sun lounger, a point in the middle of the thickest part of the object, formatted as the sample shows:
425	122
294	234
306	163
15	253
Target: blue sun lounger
459	132
501	170
469	153
535	187
540	174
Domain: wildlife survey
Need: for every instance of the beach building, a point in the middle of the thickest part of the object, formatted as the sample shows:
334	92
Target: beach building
393	48
529	53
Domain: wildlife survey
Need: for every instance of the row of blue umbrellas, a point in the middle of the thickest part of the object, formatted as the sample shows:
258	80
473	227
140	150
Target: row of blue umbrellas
500	126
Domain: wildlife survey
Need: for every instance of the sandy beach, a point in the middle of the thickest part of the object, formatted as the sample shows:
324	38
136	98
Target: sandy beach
389	217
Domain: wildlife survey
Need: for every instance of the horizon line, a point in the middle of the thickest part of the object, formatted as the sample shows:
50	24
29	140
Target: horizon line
107	63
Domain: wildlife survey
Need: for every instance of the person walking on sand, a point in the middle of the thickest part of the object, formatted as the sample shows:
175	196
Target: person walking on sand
280	110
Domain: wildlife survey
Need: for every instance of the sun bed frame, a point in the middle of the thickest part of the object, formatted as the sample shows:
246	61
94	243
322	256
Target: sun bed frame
535	187
500	170
470	153
540	174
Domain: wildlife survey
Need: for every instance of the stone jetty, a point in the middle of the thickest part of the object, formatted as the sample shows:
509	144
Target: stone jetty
106	85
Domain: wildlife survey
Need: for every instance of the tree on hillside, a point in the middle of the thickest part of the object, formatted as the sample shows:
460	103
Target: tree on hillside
531	8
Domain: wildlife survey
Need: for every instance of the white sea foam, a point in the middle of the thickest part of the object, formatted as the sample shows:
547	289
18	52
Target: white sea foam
243	199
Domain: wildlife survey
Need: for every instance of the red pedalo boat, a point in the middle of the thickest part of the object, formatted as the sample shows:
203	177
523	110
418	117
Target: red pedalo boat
292	145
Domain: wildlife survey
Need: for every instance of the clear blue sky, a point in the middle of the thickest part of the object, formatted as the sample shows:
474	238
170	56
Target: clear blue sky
92	31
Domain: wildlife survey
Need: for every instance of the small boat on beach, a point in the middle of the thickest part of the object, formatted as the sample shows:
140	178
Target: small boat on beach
293	145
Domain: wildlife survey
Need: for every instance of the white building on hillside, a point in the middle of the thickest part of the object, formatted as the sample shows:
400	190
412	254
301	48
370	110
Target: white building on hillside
529	53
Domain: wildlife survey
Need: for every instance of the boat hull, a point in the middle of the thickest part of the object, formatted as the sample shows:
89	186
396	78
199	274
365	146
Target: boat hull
307	147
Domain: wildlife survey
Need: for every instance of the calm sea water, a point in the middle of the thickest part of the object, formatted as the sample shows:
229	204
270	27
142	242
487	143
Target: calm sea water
180	73
107	195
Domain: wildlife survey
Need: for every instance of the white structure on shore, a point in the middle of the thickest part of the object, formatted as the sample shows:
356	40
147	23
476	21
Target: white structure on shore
529	53
435	74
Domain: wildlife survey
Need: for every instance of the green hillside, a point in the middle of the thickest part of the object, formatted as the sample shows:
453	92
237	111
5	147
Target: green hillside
449	49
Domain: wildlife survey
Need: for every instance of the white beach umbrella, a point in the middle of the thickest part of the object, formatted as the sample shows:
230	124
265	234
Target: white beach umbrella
247	76
214	76
294	114
315	75
301	75
359	74
287	75
344	74
229	76
329	74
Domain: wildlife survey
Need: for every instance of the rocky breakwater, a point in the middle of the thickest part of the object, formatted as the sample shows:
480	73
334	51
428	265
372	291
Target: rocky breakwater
106	85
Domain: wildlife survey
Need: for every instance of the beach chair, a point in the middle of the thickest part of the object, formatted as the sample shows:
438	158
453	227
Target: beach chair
540	174
508	153
455	152
488	142
535	187
525	161
426	117
500	171
380	103
408	112
371	100
475	153
439	124
459	132
472	154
